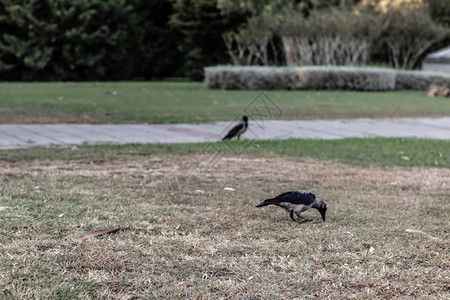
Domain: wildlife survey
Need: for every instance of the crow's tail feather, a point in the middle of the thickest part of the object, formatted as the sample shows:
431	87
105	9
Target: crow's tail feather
266	202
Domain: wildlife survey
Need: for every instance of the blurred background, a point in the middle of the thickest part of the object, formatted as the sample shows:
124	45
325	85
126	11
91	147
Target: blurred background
64	40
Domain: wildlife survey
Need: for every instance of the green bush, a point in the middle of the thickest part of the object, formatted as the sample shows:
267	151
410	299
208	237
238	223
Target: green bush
66	40
347	35
408	33
329	37
332	21
251	44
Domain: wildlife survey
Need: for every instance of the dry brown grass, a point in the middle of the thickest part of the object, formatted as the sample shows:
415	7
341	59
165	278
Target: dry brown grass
186	237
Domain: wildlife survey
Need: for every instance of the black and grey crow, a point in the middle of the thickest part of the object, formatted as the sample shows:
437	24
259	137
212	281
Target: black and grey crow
237	130
297	201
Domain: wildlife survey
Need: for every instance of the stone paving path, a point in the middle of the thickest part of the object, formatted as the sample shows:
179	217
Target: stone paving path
26	135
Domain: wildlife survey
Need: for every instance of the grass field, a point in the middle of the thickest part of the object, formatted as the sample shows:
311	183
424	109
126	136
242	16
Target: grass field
163	102
184	237
189	225
354	151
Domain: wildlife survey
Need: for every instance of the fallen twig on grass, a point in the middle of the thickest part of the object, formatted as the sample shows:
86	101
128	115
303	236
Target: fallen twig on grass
101	232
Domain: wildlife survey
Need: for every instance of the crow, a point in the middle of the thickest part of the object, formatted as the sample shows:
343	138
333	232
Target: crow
297	201
237	130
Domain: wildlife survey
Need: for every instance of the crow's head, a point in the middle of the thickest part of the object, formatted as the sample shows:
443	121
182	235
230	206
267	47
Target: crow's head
245	118
322	208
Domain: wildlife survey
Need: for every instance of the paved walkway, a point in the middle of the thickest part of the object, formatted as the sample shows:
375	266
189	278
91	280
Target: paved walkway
21	136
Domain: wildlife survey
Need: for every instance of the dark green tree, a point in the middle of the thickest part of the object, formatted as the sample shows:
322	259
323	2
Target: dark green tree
160	51
66	40
202	25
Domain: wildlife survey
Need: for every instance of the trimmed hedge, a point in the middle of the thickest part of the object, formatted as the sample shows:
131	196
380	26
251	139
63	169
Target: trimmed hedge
419	80
346	78
320	77
250	78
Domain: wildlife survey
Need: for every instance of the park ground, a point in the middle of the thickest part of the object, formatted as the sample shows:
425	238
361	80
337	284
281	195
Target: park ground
189	225
191	230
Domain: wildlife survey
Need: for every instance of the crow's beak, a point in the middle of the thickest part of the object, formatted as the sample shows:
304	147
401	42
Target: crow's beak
322	212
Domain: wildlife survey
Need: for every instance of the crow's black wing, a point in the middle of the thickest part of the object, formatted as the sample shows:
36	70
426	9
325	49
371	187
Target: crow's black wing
234	131
297	197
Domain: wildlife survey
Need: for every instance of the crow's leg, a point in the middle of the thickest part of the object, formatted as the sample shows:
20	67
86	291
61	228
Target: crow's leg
292	215
300	222
239	137
303	218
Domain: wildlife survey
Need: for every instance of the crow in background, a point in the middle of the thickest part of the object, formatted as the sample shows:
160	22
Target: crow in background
297	201
237	130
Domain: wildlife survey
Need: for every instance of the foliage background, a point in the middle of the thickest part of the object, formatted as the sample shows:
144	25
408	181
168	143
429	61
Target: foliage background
51	40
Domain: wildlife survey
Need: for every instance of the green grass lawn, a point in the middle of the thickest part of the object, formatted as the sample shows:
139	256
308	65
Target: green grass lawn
183	236
164	102
353	151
